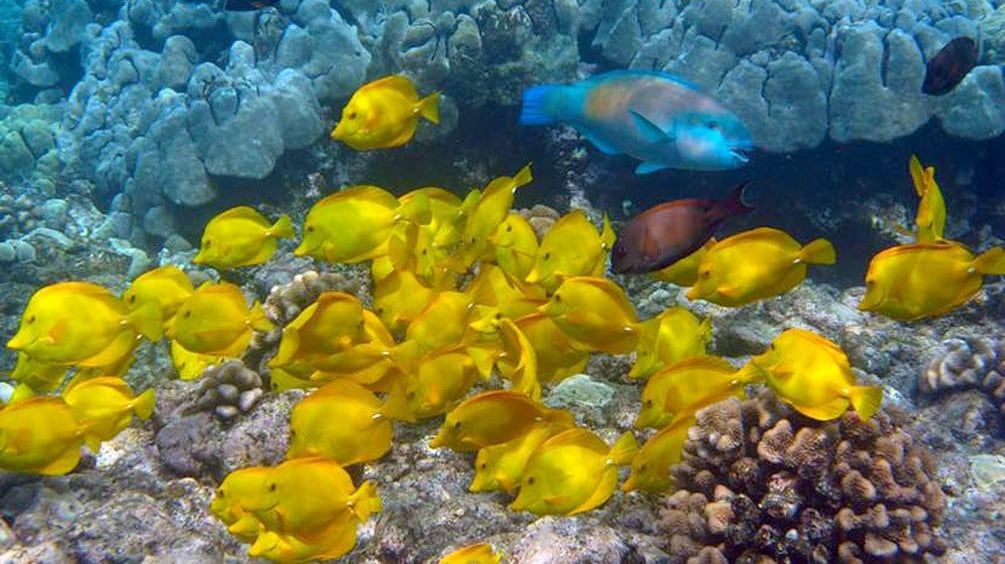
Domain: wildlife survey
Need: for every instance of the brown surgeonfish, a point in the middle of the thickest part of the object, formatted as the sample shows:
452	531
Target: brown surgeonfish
949	66
668	232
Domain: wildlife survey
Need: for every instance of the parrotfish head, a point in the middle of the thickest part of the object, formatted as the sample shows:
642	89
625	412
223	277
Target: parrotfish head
713	141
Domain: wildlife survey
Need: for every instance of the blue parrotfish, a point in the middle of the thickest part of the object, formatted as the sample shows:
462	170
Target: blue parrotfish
656	117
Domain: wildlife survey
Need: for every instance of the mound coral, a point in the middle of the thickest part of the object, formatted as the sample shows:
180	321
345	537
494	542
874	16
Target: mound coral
759	481
229	389
972	363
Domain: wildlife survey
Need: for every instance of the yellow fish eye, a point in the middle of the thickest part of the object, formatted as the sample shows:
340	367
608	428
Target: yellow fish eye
31	319
530	480
310	228
208	243
547	256
457	425
187	314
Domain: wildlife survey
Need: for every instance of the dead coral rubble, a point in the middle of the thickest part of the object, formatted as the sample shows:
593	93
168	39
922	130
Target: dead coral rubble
972	363
758	482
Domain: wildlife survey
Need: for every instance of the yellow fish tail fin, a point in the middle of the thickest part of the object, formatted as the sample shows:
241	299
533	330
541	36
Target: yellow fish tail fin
148	320
522	177
429	107
818	251
365	501
991	261
624	449
258	320
607	234
416	210
750	373
143	406
866	400
283	228
918	175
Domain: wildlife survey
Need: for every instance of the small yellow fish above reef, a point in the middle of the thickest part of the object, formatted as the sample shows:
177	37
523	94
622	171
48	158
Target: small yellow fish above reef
362	432
931	218
384	113
812	375
39	435
491	418
216	320
595	313
754	265
241	237
105	406
481	553
168	286
82	324
911	282
572	472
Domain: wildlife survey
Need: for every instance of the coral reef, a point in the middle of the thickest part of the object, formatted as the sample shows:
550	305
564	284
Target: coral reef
759	481
229	389
960	364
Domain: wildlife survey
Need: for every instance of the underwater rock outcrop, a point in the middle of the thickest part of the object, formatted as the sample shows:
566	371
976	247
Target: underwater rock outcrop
961	364
759	481
798	72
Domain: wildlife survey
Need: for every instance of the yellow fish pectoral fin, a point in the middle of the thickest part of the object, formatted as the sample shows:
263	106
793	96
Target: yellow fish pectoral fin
608	483
866	400
825	411
66	462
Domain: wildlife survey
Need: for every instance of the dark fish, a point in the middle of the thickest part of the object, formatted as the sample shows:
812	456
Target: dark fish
247	5
949	66
668	232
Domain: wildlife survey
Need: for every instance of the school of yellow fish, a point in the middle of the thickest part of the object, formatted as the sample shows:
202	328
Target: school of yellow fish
463	290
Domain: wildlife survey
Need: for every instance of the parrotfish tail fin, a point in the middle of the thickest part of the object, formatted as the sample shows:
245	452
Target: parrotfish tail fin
538	105
143	406
283	228
258	320
522	177
429	107
624	450
866	400
148	320
818	251
991	261
732	204
365	501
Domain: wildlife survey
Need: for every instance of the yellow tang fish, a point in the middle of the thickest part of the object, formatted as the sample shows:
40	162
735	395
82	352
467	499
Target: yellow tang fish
241	237
431	382
515	246
39	435
362	432
686	387
443	322
230	501
384	113
572	472
651	466
167	286
595	313
354	225
512	298
931	217
399	297
684	272
491	418
755	265
82	324
303	496
486	214
412	247
557	359
571	247
335	539
216	320
39	376
332	324
515	359
674	335
369	364
499	467
813	375
910	282
481	553
105	406
191	365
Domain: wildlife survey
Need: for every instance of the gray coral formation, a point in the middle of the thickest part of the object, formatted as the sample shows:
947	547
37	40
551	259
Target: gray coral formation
758	482
970	363
229	389
798	71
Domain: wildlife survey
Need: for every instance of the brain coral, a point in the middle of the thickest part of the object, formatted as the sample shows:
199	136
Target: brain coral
973	363
759	482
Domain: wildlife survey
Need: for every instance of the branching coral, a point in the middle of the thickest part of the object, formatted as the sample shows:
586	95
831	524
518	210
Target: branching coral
759	481
967	363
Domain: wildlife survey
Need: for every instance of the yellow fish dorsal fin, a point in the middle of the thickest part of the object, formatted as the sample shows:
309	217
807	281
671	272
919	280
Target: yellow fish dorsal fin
522	177
991	261
624	450
866	400
918	175
396	82
243	212
704	362
825	411
577	436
